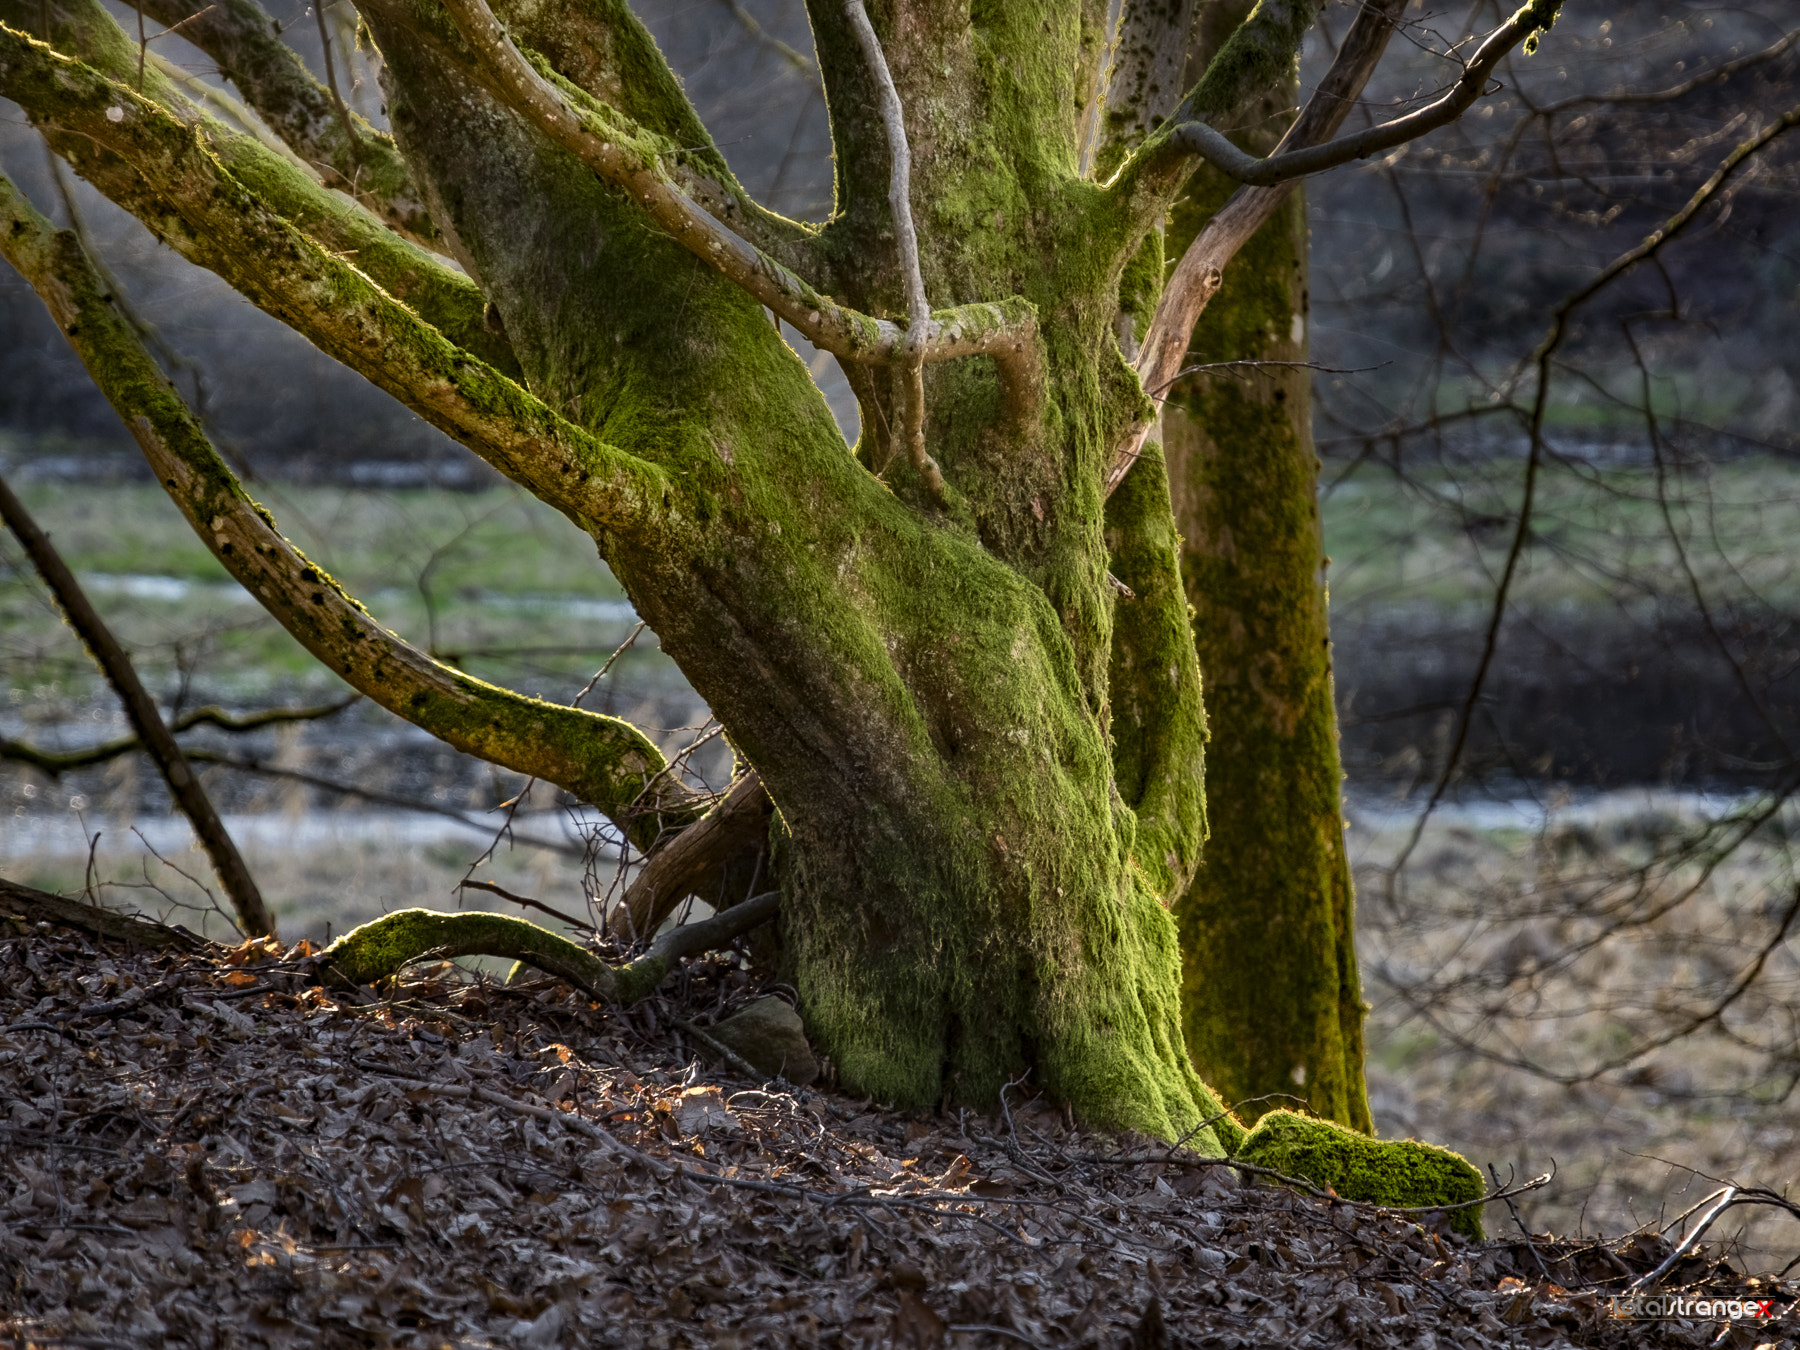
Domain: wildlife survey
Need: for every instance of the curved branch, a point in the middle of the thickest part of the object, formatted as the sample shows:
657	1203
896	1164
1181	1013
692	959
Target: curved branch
244	43
906	239
619	152
212	219
601	760
442	296
380	948
1201	271
1197	138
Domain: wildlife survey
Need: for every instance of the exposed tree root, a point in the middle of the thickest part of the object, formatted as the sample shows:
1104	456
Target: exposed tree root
380	948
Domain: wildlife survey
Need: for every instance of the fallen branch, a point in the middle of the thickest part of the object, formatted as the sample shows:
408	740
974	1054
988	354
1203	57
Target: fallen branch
41	907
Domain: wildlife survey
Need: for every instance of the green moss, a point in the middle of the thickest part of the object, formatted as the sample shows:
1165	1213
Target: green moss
1272	999
383	946
1158	725
1402	1173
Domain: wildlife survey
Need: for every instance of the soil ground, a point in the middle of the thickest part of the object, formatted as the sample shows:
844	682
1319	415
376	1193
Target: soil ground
206	1148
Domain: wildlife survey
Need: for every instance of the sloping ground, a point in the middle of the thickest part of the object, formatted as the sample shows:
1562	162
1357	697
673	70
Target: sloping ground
203	1149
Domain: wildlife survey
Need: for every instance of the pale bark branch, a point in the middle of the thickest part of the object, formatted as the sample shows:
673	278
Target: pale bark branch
1197	138
240	887
614	148
1201	271
601	760
906	240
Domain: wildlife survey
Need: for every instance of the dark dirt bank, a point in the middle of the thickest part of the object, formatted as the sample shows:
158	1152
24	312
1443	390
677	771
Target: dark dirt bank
204	1150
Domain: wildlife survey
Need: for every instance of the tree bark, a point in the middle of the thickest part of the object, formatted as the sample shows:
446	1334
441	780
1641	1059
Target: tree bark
1271	1002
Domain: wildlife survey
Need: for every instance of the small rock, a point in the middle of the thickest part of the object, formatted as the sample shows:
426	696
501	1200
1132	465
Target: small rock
768	1034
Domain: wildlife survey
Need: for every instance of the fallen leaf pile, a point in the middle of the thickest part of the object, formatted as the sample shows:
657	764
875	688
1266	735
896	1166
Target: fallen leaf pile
207	1149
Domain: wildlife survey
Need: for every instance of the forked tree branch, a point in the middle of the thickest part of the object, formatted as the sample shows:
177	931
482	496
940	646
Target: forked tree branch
214	220
1197	138
1201	271
439	294
140	708
382	947
245	44
906	240
601	760
618	151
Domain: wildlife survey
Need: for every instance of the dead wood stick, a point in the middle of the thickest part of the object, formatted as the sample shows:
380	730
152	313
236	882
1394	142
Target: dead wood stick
739	822
234	876
42	907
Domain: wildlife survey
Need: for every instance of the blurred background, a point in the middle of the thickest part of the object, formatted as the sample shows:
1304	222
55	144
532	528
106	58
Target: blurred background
1570	806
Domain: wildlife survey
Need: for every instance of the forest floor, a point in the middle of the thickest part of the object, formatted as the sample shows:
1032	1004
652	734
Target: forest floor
204	1148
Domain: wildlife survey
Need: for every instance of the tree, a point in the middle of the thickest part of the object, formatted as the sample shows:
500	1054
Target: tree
957	653
1271	1002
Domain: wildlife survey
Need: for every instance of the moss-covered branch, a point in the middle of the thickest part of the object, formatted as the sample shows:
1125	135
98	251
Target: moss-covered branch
246	45
1401	1173
619	150
600	759
213	219
440	295
381	947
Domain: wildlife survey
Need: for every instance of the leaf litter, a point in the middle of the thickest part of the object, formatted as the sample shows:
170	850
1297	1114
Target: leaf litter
209	1149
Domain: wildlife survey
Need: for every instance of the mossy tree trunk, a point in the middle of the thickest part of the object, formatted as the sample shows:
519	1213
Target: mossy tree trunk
1271	1002
962	673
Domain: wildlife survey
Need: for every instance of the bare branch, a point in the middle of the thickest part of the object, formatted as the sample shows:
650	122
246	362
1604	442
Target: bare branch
680	867
184	786
906	240
1197	138
617	150
1647	248
600	759
56	762
1201	271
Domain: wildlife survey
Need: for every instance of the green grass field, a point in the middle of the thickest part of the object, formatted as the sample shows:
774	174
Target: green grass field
500	583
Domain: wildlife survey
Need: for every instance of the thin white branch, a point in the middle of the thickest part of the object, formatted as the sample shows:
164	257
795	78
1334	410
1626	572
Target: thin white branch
1002	330
893	118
